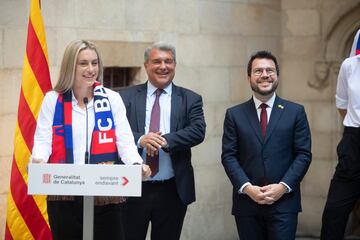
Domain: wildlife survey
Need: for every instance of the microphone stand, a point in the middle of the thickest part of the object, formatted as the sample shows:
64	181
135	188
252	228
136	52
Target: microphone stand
88	207
86	101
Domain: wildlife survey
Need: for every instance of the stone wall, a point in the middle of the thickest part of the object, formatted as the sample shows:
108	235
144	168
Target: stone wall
315	39
214	39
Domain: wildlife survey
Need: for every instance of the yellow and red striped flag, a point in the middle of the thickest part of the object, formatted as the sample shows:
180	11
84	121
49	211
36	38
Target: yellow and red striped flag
26	215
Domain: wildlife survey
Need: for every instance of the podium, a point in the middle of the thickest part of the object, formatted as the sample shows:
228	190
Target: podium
86	180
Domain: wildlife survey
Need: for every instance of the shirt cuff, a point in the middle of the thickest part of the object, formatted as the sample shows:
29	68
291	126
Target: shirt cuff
241	190
138	142
288	189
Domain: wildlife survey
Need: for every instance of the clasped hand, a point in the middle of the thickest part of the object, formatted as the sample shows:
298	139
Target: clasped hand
152	142
267	194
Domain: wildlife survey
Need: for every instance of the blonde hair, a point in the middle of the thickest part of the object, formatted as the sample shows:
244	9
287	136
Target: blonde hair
68	65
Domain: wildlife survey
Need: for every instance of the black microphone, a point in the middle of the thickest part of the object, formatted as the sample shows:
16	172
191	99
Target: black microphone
86	101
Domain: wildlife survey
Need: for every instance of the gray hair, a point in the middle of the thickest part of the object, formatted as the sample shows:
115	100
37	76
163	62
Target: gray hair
163	46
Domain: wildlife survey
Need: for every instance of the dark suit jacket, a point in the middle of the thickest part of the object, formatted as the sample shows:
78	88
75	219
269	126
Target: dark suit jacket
283	155
187	129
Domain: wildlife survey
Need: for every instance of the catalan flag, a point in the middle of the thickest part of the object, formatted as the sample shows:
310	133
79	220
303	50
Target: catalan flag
26	215
355	49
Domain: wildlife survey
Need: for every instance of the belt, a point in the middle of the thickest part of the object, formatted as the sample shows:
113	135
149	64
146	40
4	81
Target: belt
154	182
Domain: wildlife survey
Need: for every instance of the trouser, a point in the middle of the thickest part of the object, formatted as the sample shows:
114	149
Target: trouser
271	226
159	204
66	220
344	188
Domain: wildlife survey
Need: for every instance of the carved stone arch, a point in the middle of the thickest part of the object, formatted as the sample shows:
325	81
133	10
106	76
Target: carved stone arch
340	32
337	39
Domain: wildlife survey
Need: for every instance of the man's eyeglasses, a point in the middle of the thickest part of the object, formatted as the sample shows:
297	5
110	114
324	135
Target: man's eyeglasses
260	71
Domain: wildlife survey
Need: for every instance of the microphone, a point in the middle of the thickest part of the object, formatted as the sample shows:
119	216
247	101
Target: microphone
86	101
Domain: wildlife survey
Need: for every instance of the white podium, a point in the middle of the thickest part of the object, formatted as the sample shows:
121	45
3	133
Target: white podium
85	180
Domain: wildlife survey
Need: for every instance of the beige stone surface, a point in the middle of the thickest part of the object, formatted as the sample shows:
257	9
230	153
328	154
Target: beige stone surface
212	50
127	54
309	220
212	185
300	22
218	17
257	43
217	82
322	171
7	129
57	41
1	48
213	223
7	16
109	14
325	120
64	13
51	41
187	76
3	207
263	20
294	77
208	154
187	16
240	90
305	48
323	144
14	40
5	172
300	4
144	15
10	82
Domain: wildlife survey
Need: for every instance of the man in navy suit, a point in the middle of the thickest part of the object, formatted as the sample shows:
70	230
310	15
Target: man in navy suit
266	151
181	125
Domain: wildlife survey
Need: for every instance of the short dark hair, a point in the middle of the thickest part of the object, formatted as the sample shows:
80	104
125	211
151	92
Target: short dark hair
262	54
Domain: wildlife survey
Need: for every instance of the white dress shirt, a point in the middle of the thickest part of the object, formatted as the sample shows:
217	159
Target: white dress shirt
166	170
348	91
126	148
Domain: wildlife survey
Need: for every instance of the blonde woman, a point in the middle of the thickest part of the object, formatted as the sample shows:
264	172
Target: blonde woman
60	138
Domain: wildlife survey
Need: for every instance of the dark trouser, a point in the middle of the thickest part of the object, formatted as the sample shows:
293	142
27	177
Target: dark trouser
160	204
344	188
275	226
66	220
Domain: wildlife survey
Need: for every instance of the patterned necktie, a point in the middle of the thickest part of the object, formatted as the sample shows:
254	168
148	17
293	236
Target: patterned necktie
263	118
153	162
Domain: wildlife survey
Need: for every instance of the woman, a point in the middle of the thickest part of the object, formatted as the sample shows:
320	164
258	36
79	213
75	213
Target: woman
60	138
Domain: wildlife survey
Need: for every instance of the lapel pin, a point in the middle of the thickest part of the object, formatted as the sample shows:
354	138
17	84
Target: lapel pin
280	106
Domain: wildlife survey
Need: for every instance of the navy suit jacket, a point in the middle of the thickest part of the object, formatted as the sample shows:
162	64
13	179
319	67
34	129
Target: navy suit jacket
284	154
187	129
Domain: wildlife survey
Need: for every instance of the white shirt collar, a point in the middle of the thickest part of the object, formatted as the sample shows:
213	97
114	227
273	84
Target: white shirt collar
270	102
151	89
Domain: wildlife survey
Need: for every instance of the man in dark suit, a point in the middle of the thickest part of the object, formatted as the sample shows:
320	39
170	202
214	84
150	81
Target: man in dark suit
165	146
266	151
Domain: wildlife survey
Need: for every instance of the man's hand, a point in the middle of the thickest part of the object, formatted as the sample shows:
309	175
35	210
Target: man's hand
152	142
37	160
146	171
273	192
255	193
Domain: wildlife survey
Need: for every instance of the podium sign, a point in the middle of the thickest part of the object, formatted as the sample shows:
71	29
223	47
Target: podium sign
84	179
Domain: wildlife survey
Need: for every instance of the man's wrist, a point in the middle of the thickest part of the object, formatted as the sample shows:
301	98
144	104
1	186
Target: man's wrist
287	189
